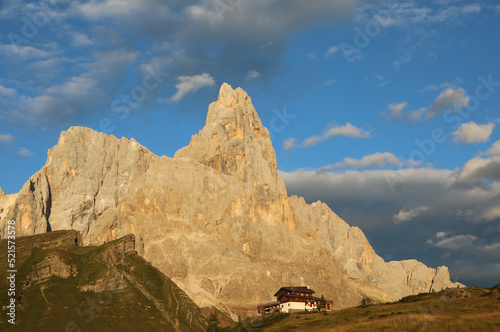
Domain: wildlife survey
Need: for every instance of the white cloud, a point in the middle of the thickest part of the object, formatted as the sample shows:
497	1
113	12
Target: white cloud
331	51
440	235
311	141
23	152
495	149
396	113
289	143
98	9
81	40
397	109
376	160
472	132
188	84
452	12
347	130
453	242
408	214
252	74
448	99
26	52
406	13
492	213
7	92
6	138
493	248
432	87
472	8
46	65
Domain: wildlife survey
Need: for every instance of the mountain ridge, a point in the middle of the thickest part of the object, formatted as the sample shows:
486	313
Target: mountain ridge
215	218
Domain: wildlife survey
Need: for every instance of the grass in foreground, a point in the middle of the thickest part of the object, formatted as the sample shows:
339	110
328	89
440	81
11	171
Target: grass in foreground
465	309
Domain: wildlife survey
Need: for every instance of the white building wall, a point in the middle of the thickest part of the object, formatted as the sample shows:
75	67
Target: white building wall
285	307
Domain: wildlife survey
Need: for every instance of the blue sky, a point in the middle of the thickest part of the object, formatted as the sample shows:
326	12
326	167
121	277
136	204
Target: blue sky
386	111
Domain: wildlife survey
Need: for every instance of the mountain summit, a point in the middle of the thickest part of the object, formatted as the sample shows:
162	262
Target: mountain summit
216	218
234	141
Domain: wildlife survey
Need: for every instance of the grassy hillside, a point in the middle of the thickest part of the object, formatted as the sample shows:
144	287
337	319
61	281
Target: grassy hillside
64	287
465	309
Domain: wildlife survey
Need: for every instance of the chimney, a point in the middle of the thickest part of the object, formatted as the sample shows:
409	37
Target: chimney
307	286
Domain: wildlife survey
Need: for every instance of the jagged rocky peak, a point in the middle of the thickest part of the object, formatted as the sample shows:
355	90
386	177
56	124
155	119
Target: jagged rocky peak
83	139
84	148
234	141
74	132
81	184
2	193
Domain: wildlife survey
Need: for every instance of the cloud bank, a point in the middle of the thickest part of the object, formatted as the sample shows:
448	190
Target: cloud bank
411	205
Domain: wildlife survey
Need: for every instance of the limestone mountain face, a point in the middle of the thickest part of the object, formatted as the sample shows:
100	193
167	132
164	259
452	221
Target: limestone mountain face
216	218
84	179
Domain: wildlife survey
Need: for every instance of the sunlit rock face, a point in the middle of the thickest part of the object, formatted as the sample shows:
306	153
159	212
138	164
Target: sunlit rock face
216	218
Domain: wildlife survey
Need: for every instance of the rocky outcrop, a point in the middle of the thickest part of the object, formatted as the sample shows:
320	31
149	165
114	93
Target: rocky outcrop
52	265
31	208
442	277
6	205
63	287
216	218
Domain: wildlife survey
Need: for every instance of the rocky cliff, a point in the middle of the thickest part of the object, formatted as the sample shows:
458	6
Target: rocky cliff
216	218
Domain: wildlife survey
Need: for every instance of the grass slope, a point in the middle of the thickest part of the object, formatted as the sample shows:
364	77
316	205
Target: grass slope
465	309
64	287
